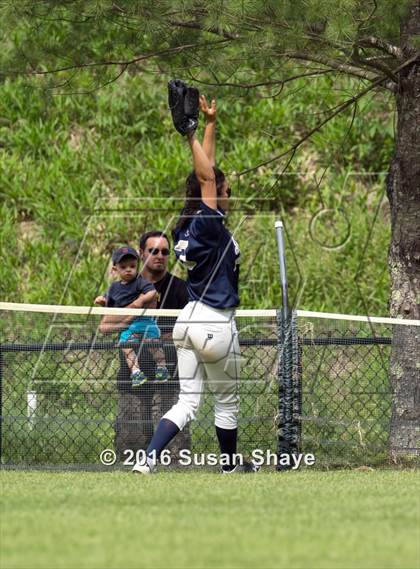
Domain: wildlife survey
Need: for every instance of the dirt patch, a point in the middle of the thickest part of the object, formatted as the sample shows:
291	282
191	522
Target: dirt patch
30	231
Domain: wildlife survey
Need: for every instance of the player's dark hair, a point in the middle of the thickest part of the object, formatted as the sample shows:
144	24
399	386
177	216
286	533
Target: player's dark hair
193	197
146	236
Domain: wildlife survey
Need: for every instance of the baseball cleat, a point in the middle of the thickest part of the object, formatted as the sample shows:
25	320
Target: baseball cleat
144	467
245	468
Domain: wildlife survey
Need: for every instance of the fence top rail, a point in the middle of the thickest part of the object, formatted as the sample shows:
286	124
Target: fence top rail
252	313
97	310
357	318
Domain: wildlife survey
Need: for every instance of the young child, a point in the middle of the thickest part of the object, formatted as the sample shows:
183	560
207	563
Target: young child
129	287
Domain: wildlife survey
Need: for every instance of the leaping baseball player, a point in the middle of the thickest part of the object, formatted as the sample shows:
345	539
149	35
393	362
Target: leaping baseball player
205	333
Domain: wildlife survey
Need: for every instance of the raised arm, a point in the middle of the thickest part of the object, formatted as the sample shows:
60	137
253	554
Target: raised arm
209	139
184	104
204	172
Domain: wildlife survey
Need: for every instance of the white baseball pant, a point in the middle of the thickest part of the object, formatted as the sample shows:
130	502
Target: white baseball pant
207	346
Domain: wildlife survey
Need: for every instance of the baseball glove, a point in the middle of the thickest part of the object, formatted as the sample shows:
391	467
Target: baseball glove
184	106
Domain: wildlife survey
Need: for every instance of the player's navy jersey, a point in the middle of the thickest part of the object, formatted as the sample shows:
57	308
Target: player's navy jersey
121	294
211	256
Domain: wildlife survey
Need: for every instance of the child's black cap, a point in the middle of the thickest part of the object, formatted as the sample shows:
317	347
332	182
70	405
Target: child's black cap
119	254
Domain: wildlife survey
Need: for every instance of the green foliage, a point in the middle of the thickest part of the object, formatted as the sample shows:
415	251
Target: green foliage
57	34
75	172
72	152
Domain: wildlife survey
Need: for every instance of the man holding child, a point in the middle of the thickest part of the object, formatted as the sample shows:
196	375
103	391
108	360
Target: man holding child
143	393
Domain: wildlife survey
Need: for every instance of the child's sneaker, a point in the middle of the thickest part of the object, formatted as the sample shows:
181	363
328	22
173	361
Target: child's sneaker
138	378
162	374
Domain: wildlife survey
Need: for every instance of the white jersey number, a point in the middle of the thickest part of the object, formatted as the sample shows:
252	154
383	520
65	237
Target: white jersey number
181	248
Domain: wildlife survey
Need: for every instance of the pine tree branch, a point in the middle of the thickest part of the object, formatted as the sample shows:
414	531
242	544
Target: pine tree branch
378	43
363	22
292	149
95	89
338	65
213	30
358	69
360	61
153	54
339	109
264	83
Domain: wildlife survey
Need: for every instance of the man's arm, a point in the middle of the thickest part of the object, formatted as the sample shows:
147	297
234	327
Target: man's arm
110	323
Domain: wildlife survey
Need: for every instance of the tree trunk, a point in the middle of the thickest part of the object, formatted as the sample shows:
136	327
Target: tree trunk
403	187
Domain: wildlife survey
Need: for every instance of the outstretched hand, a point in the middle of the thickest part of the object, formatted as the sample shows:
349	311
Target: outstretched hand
208	111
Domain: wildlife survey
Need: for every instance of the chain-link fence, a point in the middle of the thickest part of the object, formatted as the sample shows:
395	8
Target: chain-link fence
67	393
345	391
318	386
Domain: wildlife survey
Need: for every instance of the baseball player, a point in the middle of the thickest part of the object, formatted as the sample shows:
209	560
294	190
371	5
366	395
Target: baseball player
205	333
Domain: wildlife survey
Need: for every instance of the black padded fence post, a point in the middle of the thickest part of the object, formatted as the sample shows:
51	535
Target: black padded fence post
286	439
286	435
296	348
1	402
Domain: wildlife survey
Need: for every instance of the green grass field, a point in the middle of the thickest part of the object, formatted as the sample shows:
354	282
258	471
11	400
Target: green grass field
340	519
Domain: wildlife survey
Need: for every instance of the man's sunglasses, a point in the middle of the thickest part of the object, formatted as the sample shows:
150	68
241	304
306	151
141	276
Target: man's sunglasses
155	251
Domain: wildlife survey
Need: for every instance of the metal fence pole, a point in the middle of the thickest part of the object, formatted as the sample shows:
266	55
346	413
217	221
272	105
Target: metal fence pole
283	272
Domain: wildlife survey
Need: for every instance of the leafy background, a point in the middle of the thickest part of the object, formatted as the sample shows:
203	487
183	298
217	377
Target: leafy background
82	173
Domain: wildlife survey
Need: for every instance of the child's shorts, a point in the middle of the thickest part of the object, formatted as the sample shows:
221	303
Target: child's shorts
142	328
